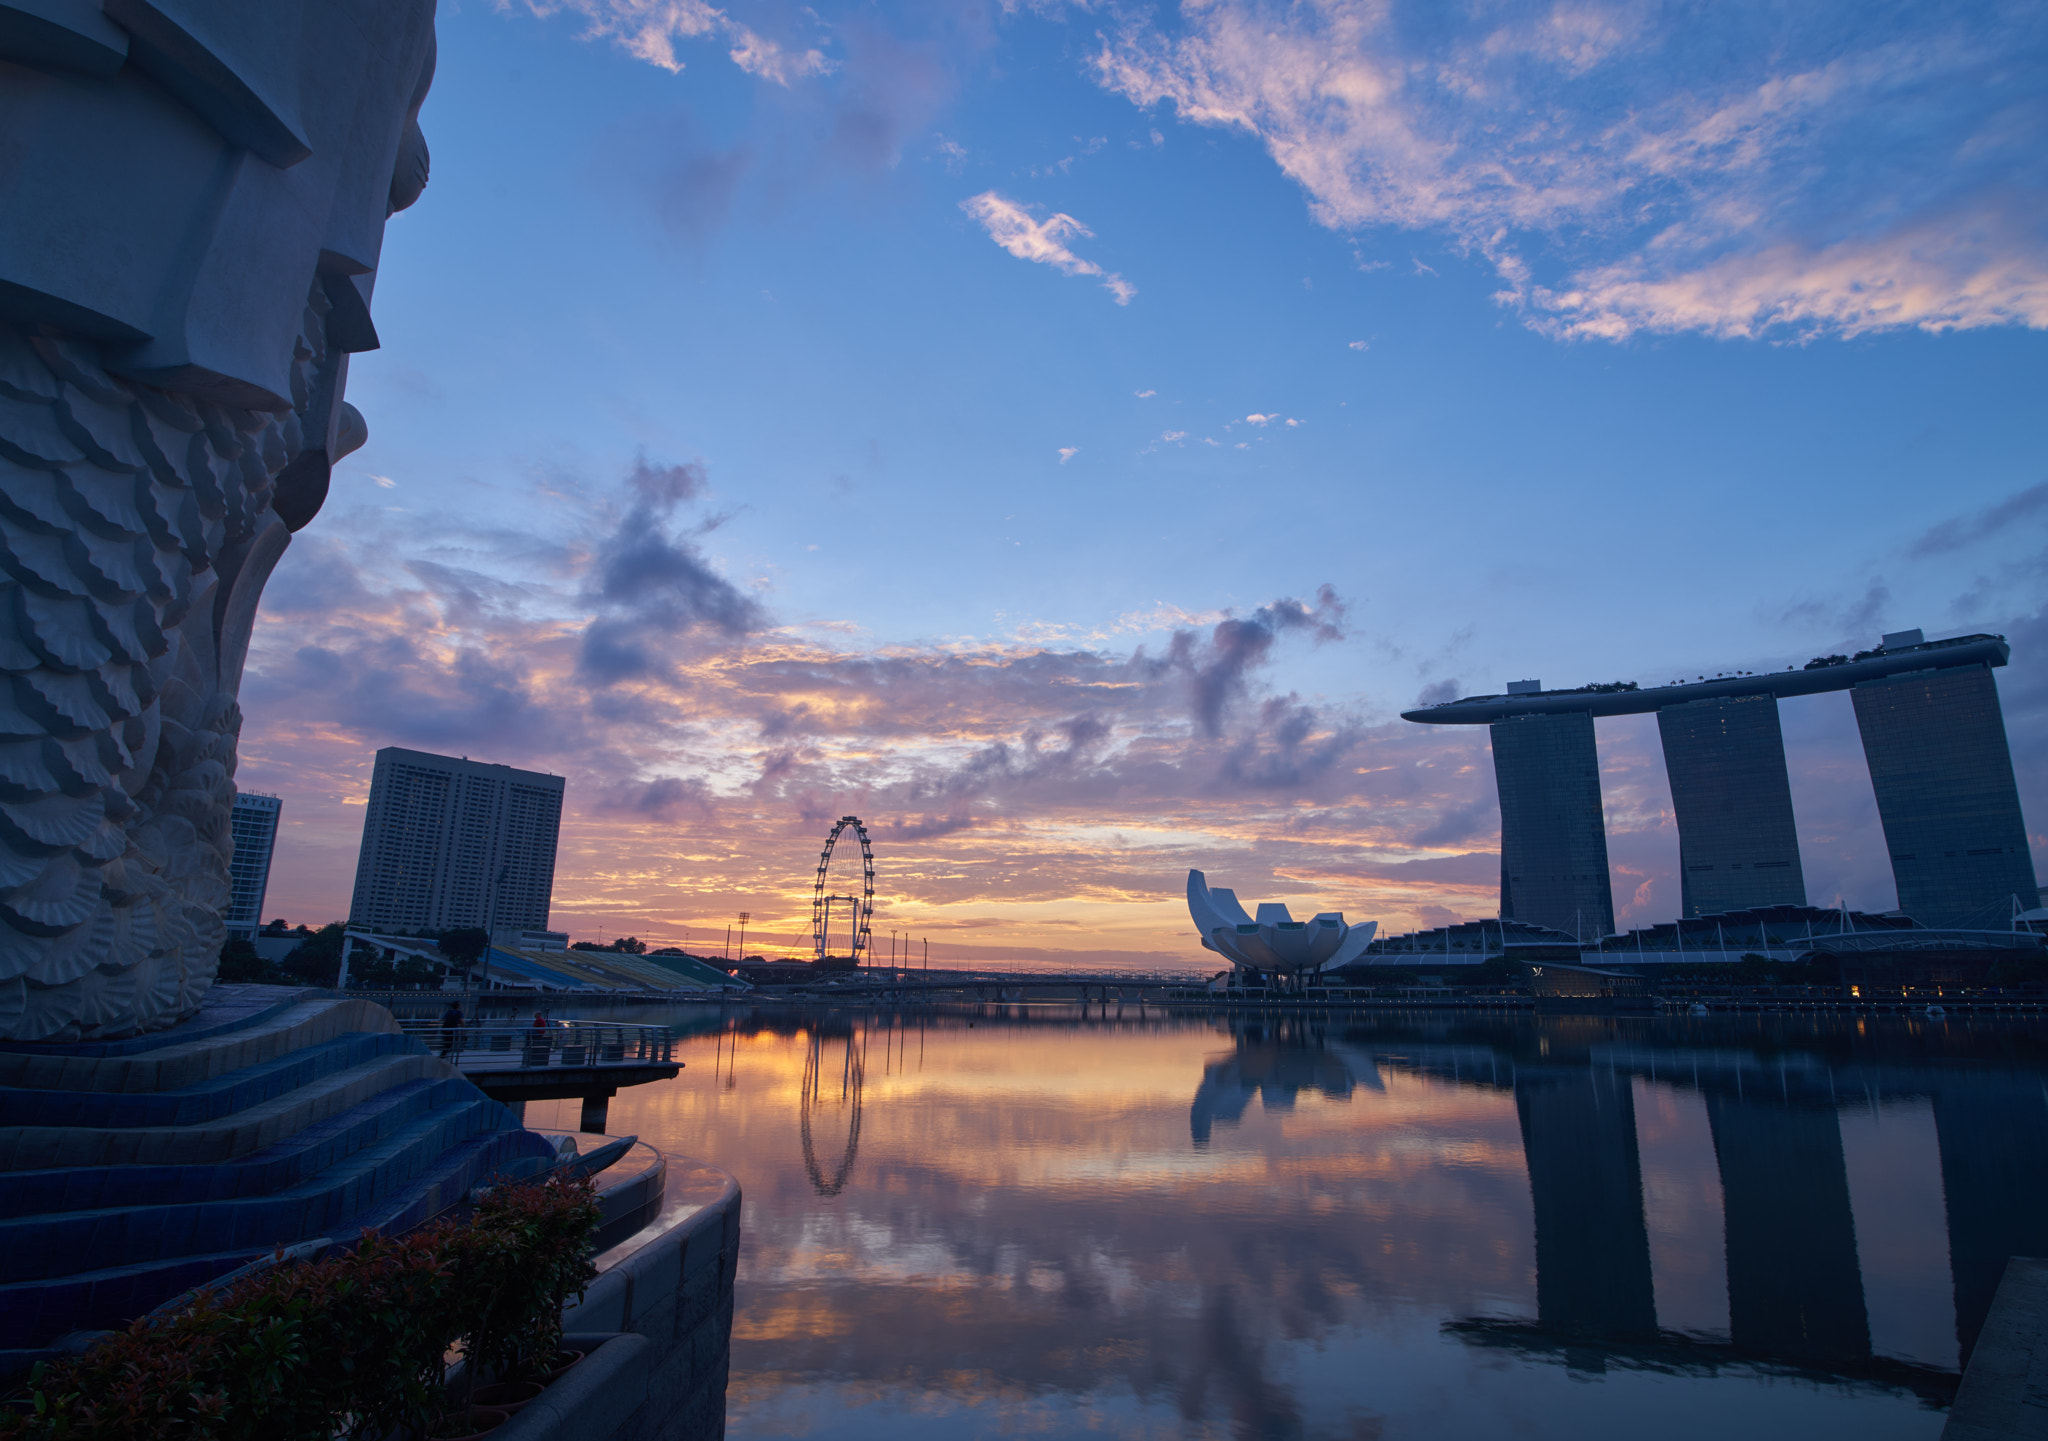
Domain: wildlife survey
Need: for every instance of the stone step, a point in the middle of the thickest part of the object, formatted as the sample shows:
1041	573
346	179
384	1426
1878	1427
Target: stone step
34	1312
179	1063
38	1246
296	1159
448	1180
227	1008
217	1096
217	1142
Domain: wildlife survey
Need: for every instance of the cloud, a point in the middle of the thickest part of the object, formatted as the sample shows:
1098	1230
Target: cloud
650	29
652	587
1217	671
829	126
665	798
1625	170
1173	437
706	748
1068	452
1256	419
1358	345
926	828
1079	773
1961	532
1043	242
1146	394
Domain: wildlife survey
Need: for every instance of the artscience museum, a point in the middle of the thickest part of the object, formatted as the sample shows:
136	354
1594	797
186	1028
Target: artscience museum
1273	943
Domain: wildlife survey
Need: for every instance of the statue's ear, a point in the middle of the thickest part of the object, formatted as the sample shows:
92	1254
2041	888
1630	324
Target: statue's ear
302	488
409	171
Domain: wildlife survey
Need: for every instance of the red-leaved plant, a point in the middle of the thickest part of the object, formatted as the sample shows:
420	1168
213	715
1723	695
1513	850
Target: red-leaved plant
354	1345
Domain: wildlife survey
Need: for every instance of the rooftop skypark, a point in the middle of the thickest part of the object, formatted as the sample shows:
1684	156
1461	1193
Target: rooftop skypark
1933	735
1900	653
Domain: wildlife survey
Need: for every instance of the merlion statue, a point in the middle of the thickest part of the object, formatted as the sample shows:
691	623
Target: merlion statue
192	202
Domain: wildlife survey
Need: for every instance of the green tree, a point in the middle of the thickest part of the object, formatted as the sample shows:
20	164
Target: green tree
465	946
316	960
1500	971
240	965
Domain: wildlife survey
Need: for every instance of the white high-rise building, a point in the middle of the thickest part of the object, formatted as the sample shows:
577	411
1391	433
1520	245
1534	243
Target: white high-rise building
451	843
255	829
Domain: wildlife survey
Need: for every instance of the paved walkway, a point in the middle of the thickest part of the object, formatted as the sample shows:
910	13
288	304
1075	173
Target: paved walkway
2004	1396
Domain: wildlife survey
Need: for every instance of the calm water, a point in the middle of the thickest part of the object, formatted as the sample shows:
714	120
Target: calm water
1027	1222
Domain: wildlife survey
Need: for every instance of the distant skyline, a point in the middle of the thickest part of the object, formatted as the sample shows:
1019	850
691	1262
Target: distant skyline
1067	438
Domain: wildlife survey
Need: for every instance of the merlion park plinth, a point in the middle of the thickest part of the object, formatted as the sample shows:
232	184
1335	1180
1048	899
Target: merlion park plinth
193	198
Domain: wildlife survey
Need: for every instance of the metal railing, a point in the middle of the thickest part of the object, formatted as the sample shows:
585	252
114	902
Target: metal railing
508	1046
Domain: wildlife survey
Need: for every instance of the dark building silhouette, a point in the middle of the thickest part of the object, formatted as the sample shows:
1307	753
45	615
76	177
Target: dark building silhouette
1553	835
451	843
1795	1287
1586	1183
254	821
1932	733
1942	771
1737	845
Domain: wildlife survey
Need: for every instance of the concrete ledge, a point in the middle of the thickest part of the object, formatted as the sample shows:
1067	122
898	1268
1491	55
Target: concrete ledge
672	1289
606	1306
2004	1395
602	1397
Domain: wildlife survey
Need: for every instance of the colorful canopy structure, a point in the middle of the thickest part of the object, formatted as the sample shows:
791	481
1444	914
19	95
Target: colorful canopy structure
1274	943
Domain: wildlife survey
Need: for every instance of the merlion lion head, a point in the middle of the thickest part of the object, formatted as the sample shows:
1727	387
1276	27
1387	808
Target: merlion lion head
196	197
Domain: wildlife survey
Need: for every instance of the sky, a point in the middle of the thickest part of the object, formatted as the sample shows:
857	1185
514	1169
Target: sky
1067	437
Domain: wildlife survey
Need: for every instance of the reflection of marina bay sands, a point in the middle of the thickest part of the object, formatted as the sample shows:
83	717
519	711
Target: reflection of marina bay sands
1794	1279
1933	735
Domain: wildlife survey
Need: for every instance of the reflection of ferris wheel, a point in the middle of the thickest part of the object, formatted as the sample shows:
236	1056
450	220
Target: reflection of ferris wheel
852	1081
854	910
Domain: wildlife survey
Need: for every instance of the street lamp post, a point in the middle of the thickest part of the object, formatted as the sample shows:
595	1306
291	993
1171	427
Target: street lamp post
491	923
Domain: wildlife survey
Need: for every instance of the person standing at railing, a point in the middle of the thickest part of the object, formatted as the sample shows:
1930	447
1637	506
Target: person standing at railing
451	1028
537	1041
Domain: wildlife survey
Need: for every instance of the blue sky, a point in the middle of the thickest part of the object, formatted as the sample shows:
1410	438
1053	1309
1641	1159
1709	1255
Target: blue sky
783	412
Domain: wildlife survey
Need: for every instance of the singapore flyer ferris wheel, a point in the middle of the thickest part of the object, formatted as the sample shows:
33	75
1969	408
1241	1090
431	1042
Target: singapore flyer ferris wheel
842	915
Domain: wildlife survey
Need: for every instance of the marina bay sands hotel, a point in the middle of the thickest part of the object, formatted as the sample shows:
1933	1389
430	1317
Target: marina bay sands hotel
1933	735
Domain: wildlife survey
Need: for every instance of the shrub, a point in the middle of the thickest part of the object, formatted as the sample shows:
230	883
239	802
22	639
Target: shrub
240	963
354	1345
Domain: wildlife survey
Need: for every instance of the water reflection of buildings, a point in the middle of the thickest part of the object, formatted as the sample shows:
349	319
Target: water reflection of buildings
1276	1063
1794	1282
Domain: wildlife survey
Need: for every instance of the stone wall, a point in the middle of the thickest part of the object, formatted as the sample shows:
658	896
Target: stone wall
658	1327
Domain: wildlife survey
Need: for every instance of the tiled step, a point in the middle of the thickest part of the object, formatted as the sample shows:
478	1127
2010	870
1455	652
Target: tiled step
163	1162
34	1312
298	1158
241	1134
445	1182
180	1062
32	1247
211	1099
226	1009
